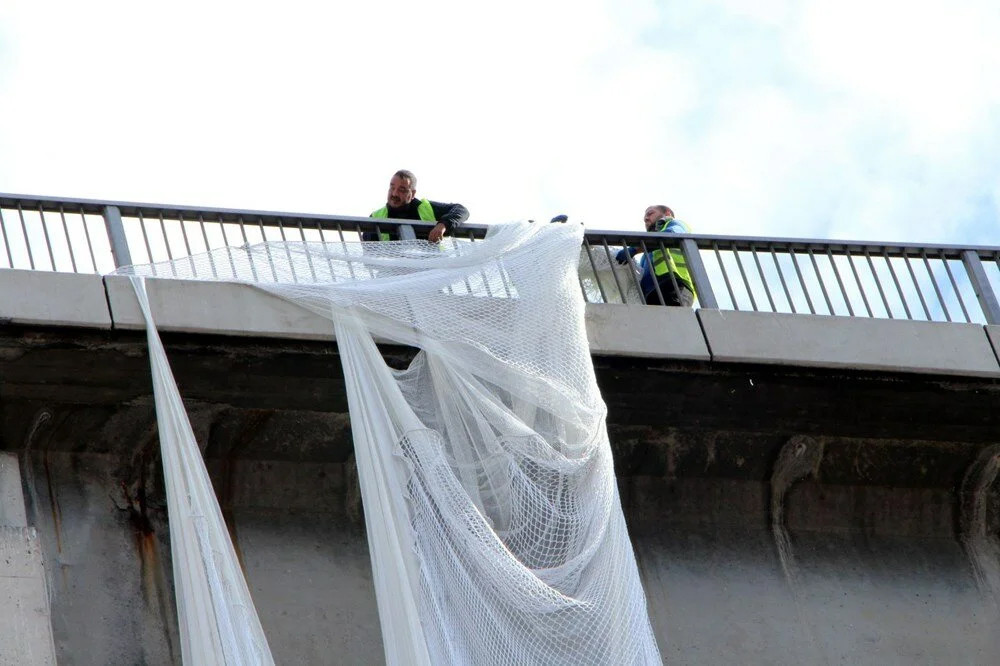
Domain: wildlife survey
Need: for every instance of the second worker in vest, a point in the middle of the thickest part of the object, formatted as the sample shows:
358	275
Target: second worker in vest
669	272
402	204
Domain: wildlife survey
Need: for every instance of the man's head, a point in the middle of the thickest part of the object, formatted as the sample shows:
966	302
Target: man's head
656	213
402	188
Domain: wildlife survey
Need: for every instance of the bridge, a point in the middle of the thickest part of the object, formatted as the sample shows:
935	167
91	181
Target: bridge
807	460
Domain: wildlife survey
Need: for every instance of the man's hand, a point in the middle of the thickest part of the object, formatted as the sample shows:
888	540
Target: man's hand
437	233
622	256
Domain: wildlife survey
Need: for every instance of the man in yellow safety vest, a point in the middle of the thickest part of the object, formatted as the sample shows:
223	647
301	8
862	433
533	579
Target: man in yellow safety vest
668	271
402	204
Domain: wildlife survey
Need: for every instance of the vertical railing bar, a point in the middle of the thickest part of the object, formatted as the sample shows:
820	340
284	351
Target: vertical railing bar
699	276
672	274
326	253
90	244
228	247
288	252
246	247
895	279
857	279
145	239
840	282
633	267
802	281
305	247
6	241
763	278
27	241
954	285
208	246
725	276
819	278
981	287
267	248
937	289
652	271
166	243
916	285
343	241
746	282
45	233
187	243
878	283
378	235
614	273
69	243
597	278
781	276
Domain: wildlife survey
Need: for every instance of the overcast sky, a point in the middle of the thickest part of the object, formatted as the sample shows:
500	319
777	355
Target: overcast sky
874	119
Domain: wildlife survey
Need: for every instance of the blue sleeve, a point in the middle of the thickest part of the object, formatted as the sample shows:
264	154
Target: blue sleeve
675	227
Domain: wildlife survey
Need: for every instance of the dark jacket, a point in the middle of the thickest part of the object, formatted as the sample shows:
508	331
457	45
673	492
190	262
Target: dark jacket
451	214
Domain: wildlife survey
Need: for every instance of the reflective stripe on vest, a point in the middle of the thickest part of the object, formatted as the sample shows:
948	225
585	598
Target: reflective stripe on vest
675	262
424	210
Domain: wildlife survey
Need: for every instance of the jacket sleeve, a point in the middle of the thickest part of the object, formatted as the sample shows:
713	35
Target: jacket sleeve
451	214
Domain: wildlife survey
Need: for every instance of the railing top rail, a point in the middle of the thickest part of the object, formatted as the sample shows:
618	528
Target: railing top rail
268	218
705	241
274	218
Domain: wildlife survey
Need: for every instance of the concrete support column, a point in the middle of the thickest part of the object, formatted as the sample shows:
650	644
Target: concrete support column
25	616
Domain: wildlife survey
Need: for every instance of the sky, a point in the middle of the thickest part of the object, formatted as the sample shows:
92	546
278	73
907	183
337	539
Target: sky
866	120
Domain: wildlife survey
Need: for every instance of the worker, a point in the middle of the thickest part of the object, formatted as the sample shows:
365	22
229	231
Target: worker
402	204
669	272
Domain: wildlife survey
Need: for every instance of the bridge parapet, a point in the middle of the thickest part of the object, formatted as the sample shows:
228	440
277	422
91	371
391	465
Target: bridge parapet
861	279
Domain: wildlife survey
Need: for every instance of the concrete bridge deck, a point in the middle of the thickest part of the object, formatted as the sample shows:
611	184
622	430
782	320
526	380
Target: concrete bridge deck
799	489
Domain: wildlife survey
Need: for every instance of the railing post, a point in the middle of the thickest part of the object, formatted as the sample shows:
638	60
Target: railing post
981	285
116	235
706	297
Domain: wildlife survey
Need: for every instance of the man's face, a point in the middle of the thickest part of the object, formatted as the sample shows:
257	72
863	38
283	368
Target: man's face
652	215
400	192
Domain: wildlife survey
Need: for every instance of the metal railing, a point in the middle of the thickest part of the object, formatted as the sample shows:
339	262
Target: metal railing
857	279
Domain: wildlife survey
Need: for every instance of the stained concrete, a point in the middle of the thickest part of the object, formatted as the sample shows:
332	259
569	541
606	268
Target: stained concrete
849	342
24	602
878	550
52	299
642	331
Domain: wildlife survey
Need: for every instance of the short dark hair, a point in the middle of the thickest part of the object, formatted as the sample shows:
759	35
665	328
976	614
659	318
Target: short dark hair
666	210
408	175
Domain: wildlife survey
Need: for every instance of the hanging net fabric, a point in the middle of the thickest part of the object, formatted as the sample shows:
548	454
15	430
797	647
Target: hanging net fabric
218	621
493	517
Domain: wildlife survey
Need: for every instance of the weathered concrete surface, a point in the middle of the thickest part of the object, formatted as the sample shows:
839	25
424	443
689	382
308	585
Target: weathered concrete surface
213	307
52	299
641	331
993	333
25	623
878	512
849	342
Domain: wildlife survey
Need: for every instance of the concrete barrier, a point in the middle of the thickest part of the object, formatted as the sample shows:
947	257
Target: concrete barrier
219	308
993	334
24	601
52	299
643	331
848	342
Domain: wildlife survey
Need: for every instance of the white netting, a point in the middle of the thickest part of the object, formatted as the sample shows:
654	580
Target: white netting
218	622
493	516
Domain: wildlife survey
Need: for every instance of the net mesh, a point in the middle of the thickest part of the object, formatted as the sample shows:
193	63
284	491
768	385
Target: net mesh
493	517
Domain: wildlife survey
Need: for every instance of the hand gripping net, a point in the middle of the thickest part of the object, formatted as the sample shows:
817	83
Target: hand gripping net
494	523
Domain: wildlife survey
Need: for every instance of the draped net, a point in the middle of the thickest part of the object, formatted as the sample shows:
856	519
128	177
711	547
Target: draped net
494	523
